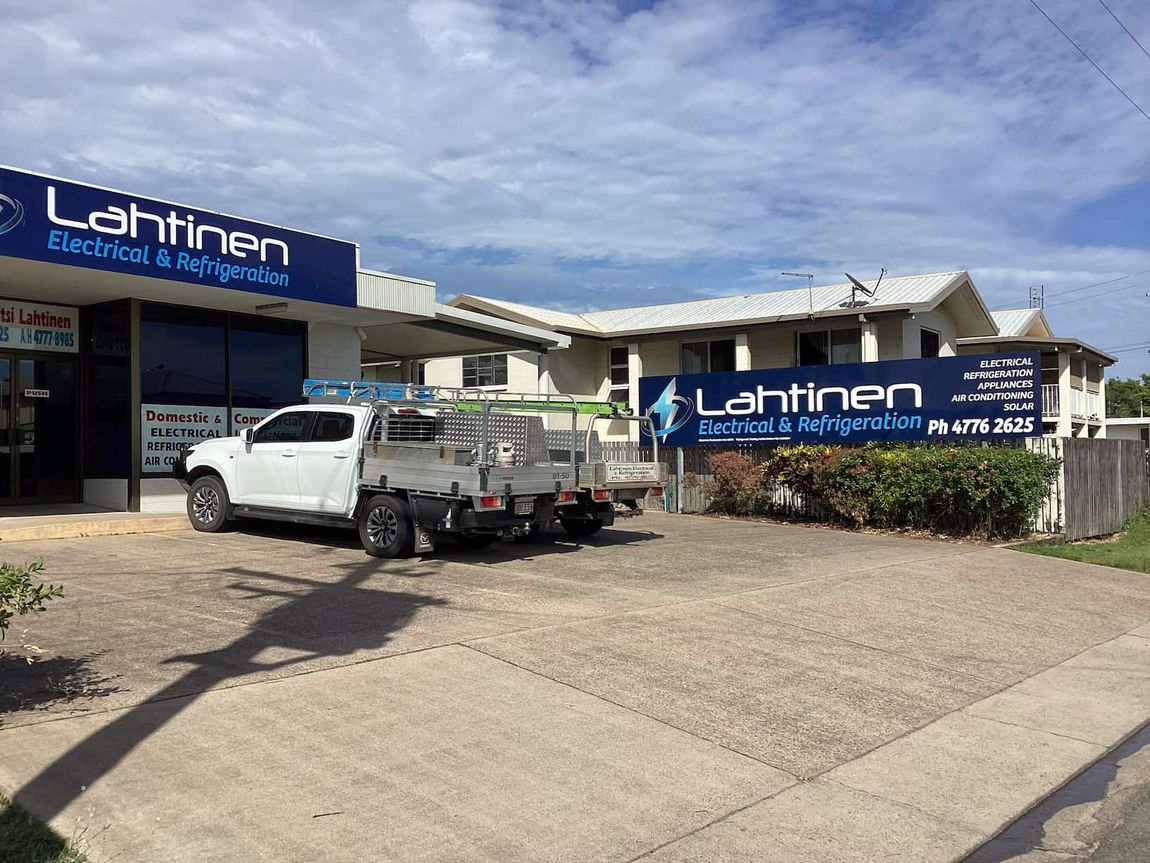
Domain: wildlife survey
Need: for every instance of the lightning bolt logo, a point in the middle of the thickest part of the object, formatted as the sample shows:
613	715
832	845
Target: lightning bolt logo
667	407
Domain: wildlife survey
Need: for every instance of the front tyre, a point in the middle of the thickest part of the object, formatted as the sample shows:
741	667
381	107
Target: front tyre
582	527
208	505
385	527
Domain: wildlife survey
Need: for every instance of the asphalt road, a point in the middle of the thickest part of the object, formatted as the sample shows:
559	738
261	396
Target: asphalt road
1102	816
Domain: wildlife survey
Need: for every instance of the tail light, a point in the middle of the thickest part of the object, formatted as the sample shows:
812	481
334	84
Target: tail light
491	501
565	497
655	492
601	494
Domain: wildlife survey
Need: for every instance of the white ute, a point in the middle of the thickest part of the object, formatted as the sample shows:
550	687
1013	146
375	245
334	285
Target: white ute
406	466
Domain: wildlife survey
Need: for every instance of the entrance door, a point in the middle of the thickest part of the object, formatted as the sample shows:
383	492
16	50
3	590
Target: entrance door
38	453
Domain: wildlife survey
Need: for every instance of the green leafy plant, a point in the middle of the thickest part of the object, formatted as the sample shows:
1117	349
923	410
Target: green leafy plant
20	594
960	490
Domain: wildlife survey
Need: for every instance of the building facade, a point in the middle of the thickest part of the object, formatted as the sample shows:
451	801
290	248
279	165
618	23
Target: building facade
908	317
131	327
1073	372
933	315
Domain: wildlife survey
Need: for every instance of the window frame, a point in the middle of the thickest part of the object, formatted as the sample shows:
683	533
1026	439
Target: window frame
922	331
475	358
625	387
709	354
828	332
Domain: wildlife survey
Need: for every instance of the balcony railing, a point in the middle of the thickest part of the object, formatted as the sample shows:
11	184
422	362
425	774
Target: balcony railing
1084	404
1077	403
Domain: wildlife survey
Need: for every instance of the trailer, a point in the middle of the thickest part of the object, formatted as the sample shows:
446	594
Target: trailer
404	464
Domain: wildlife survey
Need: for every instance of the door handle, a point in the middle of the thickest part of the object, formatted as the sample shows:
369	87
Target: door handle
341	455
288	454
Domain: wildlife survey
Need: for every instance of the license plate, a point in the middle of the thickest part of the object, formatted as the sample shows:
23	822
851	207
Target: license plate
525	507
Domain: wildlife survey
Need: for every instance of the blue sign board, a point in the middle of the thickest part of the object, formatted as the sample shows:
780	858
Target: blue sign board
59	222
972	397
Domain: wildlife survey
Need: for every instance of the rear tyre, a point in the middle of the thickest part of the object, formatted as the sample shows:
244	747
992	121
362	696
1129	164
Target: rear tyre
209	509
584	527
385	527
475	540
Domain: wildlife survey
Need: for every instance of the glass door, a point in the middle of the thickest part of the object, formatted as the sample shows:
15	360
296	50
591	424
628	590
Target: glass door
38	433
7	457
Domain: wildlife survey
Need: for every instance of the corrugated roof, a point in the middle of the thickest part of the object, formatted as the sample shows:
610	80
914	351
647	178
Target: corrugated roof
1014	322
894	293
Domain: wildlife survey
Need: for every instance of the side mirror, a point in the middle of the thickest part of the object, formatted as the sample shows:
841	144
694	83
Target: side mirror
248	434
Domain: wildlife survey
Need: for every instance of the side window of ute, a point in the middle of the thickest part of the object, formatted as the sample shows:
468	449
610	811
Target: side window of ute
286	428
332	427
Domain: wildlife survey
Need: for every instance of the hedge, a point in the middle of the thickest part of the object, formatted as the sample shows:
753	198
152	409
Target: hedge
959	490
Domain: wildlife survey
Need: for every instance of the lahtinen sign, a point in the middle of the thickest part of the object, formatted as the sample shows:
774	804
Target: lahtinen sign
60	222
971	397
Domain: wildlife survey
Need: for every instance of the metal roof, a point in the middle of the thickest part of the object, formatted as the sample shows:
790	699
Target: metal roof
1015	322
895	293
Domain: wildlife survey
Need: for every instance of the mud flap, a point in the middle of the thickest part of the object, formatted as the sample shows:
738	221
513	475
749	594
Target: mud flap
424	540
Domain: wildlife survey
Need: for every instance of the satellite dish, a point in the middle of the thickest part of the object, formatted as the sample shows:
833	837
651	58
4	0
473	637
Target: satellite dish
857	286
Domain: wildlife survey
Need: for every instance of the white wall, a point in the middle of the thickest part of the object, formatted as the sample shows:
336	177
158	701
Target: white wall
522	372
162	495
940	322
1126	432
333	351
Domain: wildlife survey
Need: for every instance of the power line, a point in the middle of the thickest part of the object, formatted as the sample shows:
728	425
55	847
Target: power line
1126	95
1100	284
1062	302
1123	26
1142	347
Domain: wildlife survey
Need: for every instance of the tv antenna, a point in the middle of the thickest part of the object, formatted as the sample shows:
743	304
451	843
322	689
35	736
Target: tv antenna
1038	297
857	286
810	277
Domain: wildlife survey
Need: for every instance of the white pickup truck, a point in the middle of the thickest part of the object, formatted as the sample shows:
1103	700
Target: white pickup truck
404	470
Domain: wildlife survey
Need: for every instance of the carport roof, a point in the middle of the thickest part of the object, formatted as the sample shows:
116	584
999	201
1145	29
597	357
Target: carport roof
454	332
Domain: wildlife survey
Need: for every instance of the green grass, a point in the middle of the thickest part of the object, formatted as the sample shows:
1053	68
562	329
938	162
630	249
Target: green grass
23	839
1131	550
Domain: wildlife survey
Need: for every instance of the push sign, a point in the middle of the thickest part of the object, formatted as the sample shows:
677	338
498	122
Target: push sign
971	398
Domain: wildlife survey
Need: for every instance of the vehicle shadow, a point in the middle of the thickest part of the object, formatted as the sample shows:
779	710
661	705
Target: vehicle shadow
553	541
306	619
46	684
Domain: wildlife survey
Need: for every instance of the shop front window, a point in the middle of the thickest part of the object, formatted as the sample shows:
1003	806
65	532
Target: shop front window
209	374
267	362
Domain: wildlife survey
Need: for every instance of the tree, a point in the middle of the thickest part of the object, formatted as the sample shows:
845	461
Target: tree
1124	396
20	595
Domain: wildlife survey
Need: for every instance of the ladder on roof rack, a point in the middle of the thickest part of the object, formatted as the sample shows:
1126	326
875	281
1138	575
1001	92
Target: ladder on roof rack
466	399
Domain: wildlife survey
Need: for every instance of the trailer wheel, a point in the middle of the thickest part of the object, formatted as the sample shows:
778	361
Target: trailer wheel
208	505
385	527
583	527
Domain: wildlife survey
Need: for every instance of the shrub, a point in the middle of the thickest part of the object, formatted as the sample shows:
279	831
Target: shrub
19	595
962	490
737	486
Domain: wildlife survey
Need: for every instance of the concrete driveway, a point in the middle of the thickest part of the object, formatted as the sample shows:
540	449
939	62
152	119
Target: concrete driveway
677	689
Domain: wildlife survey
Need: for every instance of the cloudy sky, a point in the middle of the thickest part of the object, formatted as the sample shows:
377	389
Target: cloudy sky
598	154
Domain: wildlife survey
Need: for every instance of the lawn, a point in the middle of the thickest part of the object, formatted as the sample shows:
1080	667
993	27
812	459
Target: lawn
23	839
1130	550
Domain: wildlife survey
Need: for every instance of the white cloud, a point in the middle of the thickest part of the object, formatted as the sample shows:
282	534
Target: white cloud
679	136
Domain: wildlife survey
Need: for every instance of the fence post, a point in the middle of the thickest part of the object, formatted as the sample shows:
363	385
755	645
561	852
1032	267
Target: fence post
678	479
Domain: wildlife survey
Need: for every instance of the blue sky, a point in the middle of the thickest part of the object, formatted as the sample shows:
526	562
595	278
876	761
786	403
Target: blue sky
595	154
